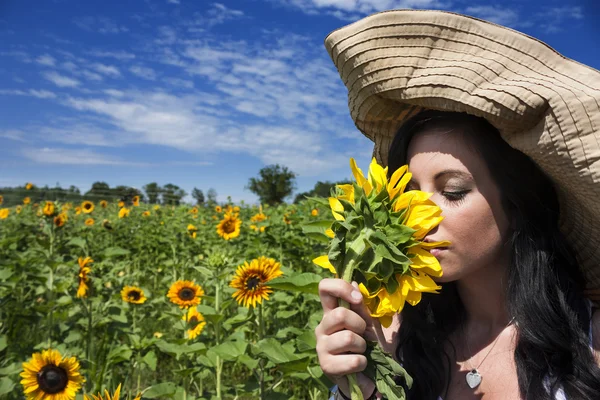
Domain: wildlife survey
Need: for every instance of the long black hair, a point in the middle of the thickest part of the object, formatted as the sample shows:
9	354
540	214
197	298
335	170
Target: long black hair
544	291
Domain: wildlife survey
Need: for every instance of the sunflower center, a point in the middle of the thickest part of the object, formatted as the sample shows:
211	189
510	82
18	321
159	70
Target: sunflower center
52	379
134	295
87	206
252	282
186	294
229	227
193	322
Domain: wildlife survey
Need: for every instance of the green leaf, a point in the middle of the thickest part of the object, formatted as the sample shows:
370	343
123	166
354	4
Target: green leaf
316	229
304	283
229	351
160	390
150	360
77	241
6	385
115	252
120	353
276	352
294	366
3	343
307	341
248	361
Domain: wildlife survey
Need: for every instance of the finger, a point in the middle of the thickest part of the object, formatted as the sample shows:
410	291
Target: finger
340	319
344	342
330	290
343	364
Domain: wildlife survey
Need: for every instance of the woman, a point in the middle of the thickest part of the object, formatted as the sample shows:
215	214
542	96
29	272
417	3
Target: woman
452	94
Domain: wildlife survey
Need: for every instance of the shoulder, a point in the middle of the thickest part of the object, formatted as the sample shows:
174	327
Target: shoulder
596	334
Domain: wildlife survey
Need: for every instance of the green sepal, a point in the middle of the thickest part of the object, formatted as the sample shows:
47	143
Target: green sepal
381	369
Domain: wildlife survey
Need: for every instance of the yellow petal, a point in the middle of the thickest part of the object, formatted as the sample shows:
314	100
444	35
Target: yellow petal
412	197
360	178
329	232
323	261
377	175
422	260
385	321
336	208
396	185
348	193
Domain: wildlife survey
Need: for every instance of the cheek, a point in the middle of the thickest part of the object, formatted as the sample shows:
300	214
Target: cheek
476	232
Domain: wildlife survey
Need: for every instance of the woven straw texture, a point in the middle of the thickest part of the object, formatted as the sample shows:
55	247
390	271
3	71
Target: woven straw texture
397	63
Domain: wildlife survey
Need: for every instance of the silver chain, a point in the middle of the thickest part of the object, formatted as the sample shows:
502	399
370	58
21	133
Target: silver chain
488	353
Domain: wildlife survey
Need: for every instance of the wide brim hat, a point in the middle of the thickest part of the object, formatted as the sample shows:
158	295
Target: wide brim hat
398	63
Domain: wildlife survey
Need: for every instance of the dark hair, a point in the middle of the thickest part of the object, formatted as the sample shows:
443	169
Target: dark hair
544	291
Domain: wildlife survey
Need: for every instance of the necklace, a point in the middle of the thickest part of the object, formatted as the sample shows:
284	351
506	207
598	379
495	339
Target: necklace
474	376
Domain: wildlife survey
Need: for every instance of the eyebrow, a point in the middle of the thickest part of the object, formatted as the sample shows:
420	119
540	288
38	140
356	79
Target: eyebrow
454	172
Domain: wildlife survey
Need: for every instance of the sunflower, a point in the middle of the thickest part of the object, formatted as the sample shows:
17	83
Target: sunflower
229	227
89	222
121	204
258	217
218	209
314	212
133	295
286	219
77	210
194	210
1	199
26	200
84	269
146	214
195	321
87	206
124	212
18	209
136	201
251	278
106	396
48	208
66	207
185	294
192	231
60	220
156	207
106	225
28	186
4	213
50	376
103	203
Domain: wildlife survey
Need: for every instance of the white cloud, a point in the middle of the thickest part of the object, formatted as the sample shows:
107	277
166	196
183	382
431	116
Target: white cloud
183	83
173	1
61	80
40	94
352	9
100	25
143	72
66	156
106	69
46	60
119	55
499	15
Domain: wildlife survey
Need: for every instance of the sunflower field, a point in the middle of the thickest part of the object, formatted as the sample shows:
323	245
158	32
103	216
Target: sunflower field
107	300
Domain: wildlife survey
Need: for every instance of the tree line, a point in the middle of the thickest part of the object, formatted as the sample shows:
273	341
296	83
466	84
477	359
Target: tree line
273	185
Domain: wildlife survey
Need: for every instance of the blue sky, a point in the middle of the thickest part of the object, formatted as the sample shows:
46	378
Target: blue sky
202	93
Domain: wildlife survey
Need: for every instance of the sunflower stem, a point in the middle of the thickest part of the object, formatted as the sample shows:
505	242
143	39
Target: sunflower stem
261	361
51	287
219	366
89	331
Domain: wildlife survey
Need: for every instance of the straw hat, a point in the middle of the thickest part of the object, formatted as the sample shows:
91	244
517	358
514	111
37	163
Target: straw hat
397	63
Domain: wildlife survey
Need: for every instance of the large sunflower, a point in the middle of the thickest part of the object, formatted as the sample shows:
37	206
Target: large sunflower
84	269
229	227
106	396
87	207
50	376
185	294
103	203
48	208
26	200
195	322
136	201
251	278
4	213
133	295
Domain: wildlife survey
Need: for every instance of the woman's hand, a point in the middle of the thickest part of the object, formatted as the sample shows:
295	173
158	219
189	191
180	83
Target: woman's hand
341	335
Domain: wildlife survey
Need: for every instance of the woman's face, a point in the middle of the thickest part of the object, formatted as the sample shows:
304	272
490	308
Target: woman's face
474	222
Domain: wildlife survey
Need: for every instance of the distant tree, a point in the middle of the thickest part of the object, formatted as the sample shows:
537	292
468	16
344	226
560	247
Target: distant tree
321	189
74	189
274	184
198	195
172	194
153	192
212	196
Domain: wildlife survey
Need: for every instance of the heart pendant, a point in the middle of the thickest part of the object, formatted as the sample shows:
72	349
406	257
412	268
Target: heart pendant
473	379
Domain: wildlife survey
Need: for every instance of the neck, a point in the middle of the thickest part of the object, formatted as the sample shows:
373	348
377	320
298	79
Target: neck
483	295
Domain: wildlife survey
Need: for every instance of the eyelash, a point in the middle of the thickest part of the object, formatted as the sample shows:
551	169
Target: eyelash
455	198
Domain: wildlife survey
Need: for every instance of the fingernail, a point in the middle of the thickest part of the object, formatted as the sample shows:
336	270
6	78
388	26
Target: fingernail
356	295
